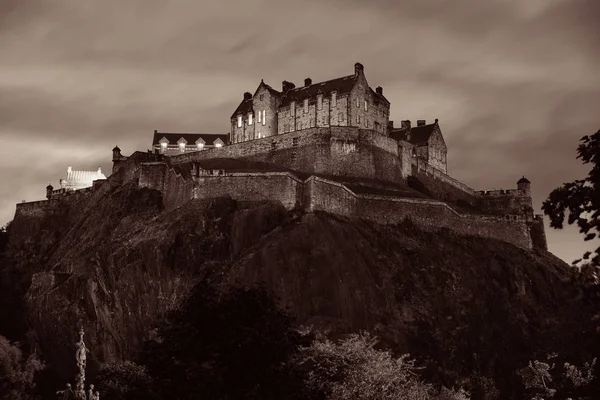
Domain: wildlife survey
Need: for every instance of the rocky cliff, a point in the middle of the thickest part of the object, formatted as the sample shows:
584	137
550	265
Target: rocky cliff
117	262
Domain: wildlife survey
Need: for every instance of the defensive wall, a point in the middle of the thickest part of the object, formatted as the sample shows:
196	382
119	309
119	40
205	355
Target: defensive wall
316	193
340	150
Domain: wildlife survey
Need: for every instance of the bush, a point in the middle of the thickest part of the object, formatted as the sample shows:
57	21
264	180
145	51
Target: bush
17	375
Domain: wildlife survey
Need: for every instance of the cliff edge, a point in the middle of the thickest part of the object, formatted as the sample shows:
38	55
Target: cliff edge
119	261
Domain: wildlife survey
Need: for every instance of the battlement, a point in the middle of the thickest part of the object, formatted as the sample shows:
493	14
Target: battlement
500	192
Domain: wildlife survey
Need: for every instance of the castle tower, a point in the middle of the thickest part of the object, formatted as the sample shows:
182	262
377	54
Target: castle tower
116	153
524	185
49	190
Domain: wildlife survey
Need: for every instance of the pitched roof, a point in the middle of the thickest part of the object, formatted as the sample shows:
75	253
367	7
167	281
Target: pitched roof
245	107
84	177
415	135
209	138
341	85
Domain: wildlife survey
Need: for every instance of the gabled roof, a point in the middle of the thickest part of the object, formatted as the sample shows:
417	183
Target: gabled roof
340	85
416	135
173	138
245	107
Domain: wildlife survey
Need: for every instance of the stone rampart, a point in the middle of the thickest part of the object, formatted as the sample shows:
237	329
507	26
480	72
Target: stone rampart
346	151
273	186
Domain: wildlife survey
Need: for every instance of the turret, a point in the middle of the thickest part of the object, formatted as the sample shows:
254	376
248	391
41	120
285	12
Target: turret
116	153
49	190
524	185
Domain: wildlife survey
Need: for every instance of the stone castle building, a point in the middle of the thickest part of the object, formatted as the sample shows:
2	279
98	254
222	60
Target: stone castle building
325	146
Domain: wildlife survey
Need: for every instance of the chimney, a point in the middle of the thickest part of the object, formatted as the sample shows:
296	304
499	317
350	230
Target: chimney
358	69
247	96
307	82
155	131
69	169
379	90
406	124
421	122
285	86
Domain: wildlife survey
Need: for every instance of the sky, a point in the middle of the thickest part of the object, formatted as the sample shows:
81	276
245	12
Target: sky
514	83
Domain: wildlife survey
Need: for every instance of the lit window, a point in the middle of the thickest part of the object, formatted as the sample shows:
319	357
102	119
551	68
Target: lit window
259	135
259	113
249	118
200	146
264	117
333	99
366	105
239	121
163	147
182	147
357	102
218	144
305	105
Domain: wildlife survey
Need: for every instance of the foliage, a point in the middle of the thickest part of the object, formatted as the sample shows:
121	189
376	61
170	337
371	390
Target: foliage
581	198
16	374
124	380
355	369
235	344
545	381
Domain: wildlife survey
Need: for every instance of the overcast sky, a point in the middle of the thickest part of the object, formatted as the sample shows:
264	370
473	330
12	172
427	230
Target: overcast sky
514	83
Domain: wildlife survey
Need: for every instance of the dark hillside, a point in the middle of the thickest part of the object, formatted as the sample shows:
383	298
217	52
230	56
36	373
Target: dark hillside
118	263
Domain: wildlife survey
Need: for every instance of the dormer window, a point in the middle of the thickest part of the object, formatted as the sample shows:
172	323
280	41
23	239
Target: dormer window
333	99
218	143
200	146
250	118
305	106
182	147
239	121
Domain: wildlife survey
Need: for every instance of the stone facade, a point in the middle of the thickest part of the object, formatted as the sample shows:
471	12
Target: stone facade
346	101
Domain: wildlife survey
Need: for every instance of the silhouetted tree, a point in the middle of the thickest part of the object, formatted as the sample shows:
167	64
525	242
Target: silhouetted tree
581	198
232	345
17	373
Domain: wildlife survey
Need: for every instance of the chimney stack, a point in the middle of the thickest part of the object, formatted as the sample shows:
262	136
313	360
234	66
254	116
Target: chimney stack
406	124
247	96
358	69
379	90
307	82
285	86
421	122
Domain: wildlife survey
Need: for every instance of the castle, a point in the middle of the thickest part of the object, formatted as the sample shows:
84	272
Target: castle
325	146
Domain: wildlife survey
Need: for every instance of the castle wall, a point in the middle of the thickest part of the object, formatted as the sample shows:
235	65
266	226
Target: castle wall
329	151
437	151
273	186
501	202
330	196
538	233
441	186
152	175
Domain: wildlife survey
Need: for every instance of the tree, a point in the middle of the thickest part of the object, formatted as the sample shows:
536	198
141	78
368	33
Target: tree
124	380
581	198
16	374
354	369
235	344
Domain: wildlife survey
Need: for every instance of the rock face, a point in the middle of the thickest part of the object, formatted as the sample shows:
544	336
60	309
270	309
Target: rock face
119	262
